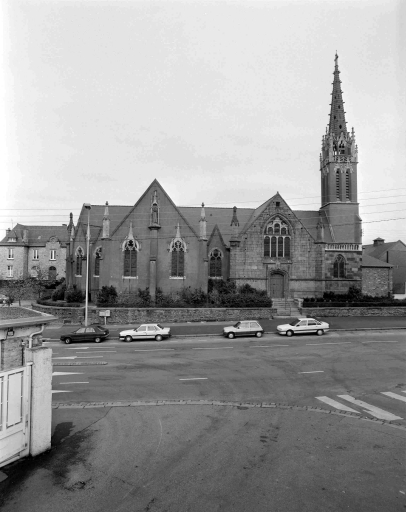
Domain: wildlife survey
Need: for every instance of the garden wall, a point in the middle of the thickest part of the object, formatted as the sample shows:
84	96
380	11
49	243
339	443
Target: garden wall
152	315
357	311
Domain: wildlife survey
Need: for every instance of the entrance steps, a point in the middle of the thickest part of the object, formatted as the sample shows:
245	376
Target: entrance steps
285	308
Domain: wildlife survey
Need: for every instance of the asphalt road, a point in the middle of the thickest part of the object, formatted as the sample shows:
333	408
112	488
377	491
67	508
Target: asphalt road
299	451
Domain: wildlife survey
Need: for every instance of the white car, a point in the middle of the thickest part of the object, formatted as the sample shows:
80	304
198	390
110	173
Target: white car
243	328
146	331
303	326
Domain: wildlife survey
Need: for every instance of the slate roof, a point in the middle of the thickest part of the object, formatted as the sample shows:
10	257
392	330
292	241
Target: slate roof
116	215
369	261
377	250
37	235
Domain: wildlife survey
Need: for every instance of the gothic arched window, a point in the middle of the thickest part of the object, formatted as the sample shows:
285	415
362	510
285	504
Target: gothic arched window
341	148
277	246
130	250
97	258
339	266
338	191
178	259
79	260
215	259
347	184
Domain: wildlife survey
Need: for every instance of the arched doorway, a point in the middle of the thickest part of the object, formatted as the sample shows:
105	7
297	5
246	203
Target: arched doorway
277	285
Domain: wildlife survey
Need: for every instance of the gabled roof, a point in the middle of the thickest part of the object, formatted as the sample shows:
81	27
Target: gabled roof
215	232
369	261
377	250
37	235
116	215
310	219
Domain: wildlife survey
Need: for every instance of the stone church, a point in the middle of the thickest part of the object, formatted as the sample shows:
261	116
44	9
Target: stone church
289	253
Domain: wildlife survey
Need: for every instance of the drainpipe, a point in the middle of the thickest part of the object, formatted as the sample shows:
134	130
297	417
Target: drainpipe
34	334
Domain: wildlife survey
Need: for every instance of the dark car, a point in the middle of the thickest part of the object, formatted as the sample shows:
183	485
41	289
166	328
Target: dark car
94	333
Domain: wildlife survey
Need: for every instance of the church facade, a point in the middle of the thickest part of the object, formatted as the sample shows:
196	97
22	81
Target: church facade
289	253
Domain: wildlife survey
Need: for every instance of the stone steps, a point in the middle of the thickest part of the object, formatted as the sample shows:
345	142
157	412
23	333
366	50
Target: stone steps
285	308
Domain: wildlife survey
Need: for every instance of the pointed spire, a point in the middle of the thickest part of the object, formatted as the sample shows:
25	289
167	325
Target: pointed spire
337	115
203	224
177	231
106	222
71	227
234	220
130	232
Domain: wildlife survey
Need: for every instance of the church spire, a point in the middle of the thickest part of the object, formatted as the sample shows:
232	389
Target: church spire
337	115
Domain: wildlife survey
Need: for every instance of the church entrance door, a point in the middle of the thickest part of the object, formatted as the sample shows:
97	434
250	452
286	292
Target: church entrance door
277	283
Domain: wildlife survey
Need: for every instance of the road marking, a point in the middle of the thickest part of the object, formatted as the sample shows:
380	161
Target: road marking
152	350
331	343
196	378
87	357
68	357
76	348
335	404
269	346
66	373
73	382
380	341
316	371
59	391
394	395
371	409
211	348
100	351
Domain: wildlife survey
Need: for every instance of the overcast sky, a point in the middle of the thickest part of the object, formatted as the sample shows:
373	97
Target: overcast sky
223	102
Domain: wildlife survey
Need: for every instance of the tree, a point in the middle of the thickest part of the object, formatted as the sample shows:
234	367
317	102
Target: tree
42	281
15	289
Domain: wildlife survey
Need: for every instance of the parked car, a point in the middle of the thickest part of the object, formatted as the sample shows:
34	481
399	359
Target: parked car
244	328
95	333
146	331
303	326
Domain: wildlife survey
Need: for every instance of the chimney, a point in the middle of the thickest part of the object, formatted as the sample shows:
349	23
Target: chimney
378	241
25	236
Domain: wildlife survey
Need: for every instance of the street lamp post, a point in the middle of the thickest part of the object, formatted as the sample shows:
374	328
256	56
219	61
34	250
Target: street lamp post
88	207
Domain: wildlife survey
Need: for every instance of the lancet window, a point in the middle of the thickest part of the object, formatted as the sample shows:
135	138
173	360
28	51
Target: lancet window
216	261
130	251
79	260
97	258
277	239
347	185
338	188
339	266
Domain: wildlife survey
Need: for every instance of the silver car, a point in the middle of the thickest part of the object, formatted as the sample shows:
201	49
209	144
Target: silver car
243	328
303	326
146	331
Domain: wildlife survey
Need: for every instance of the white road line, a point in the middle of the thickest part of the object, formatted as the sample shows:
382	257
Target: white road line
59	391
379	341
69	357
73	382
76	348
211	348
196	378
87	357
65	373
268	346
152	350
316	371
371	409
335	404
100	351
331	343
394	395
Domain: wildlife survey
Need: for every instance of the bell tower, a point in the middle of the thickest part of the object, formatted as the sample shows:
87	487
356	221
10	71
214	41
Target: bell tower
338	168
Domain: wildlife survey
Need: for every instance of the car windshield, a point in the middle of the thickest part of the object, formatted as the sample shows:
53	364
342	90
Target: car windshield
237	324
160	326
294	322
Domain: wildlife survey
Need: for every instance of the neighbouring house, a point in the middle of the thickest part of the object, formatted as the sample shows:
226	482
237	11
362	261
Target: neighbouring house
25	384
25	248
377	277
289	253
393	253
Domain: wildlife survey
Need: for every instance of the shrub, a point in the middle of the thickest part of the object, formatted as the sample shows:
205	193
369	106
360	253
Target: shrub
107	296
74	296
59	293
145	297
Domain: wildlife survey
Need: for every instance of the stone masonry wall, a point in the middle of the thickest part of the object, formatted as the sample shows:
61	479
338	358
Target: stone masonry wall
377	281
152	315
326	312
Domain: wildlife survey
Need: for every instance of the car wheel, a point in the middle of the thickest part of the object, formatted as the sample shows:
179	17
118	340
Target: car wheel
258	334
97	340
230	335
128	338
289	333
68	340
158	337
320	332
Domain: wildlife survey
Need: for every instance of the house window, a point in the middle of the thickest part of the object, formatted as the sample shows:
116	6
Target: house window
35	255
130	258
52	273
97	261
339	267
10	254
216	258
178	259
79	260
277	246
10	271
52	254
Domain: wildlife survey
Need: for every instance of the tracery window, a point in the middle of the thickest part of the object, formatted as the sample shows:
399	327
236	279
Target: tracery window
79	260
339	267
130	258
178	259
216	260
277	239
98	255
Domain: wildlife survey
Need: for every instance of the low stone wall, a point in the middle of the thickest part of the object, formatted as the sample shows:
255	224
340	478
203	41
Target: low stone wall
323	312
153	315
